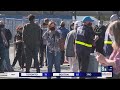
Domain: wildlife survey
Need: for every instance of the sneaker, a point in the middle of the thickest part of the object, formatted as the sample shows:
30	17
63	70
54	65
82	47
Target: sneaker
41	66
38	71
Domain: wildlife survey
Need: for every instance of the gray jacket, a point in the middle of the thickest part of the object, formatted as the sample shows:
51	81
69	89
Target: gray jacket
69	44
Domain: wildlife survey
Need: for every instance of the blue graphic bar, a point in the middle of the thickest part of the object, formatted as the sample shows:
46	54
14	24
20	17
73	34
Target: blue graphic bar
68	74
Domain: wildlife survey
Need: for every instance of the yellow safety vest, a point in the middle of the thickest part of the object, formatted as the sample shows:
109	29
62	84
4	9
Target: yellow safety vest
108	42
82	43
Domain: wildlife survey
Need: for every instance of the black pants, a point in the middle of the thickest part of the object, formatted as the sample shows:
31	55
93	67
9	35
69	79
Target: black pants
43	55
18	56
83	60
99	46
62	57
30	53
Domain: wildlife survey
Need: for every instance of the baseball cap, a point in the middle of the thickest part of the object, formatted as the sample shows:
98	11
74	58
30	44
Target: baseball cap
114	17
87	18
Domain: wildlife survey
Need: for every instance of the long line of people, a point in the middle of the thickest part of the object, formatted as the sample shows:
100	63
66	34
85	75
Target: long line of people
57	45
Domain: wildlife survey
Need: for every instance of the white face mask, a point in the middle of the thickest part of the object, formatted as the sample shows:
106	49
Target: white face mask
112	37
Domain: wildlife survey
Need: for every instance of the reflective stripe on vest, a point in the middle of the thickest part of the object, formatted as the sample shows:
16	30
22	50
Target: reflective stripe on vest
82	43
107	42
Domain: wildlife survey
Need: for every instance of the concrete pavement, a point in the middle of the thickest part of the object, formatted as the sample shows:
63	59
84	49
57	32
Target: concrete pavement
64	68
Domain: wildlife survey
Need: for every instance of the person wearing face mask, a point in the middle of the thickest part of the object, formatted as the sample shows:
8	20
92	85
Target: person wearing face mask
100	32
53	54
71	26
114	59
70	53
64	33
8	36
83	41
43	45
107	41
3	53
19	46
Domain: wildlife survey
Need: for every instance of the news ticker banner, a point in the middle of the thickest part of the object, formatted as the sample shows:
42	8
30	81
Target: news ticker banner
77	74
105	72
106	69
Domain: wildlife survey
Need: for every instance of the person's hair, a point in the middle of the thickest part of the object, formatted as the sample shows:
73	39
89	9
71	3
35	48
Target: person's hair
31	17
19	28
44	24
2	23
51	22
62	23
115	28
72	24
46	20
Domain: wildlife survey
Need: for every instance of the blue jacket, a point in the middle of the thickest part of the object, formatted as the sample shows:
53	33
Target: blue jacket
64	32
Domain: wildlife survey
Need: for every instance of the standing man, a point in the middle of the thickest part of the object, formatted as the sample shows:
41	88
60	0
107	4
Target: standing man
8	35
70	48
64	33
71	26
43	44
31	38
3	45
84	40
100	32
107	41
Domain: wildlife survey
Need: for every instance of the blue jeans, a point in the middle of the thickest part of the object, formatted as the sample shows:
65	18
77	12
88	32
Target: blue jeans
6	62
35	57
53	58
3	57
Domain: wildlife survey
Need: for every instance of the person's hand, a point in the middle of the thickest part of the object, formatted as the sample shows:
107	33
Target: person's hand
96	38
66	59
100	58
6	43
103	64
94	44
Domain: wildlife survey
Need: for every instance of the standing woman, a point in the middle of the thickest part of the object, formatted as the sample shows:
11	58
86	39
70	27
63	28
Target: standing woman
19	47
114	59
53	37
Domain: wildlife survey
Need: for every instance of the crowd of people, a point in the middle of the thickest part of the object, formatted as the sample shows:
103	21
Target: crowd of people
58	45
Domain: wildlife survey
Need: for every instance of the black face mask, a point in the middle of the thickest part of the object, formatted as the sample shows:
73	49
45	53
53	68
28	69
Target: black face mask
1	26
52	28
89	24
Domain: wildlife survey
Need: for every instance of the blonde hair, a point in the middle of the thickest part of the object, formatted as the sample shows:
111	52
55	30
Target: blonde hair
115	28
51	22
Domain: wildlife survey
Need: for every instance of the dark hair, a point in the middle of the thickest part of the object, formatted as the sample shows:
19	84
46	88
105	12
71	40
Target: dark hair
72	24
2	25
115	27
31	17
62	23
46	20
19	28
44	24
